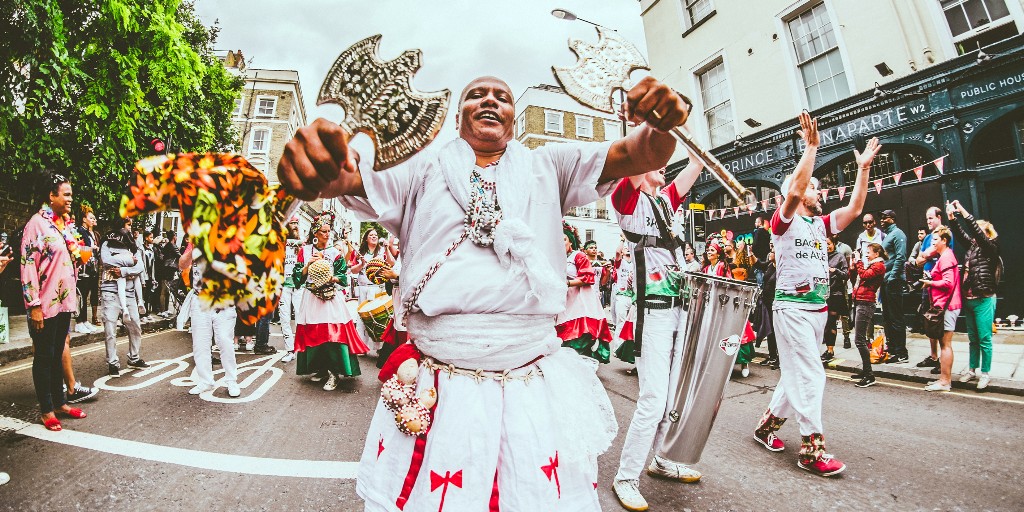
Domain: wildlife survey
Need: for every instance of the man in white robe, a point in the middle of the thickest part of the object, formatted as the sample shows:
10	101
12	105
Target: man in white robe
518	422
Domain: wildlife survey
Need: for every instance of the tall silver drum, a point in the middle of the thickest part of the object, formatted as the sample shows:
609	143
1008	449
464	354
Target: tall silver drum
717	310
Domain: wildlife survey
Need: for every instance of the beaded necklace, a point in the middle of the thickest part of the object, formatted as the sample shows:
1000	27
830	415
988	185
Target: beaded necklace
484	212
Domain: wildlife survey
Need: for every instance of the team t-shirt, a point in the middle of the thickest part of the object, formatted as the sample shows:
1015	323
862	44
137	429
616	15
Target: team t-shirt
801	256
636	215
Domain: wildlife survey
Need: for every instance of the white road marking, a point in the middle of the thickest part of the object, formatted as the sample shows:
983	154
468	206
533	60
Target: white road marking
183	457
921	388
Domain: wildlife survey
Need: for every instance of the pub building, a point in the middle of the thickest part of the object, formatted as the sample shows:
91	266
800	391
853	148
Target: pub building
965	115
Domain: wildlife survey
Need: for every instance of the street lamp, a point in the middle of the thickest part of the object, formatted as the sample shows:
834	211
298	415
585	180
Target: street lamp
564	14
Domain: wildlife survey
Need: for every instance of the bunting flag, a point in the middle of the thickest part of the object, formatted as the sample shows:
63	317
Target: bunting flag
736	211
842	192
896	177
939	164
824	194
764	204
778	201
919	171
711	215
878	186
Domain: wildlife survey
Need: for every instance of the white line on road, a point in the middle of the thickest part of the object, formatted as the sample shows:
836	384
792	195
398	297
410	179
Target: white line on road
184	457
921	388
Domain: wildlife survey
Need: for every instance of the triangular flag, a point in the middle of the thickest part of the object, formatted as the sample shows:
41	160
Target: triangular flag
764	204
778	201
878	186
919	171
824	194
896	177
842	193
939	163
736	211
752	206
711	215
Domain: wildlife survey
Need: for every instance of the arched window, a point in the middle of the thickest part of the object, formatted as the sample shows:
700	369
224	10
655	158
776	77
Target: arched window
1001	141
842	171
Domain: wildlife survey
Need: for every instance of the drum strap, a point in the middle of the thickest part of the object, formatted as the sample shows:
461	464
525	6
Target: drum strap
665	240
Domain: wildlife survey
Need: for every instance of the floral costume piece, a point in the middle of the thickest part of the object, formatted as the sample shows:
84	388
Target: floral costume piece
232	216
583	322
325	334
48	272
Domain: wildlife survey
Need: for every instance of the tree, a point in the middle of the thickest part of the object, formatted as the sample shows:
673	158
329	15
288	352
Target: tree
85	85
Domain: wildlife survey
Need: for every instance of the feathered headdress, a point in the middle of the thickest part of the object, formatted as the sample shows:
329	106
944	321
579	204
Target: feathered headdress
574	237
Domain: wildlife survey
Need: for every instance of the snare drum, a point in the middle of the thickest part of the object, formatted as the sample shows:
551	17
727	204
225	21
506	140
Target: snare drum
376	313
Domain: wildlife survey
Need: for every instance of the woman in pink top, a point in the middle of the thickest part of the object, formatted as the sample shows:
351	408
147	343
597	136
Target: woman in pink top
48	277
944	290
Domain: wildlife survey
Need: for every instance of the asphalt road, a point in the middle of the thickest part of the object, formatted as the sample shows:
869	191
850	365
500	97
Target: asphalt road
148	445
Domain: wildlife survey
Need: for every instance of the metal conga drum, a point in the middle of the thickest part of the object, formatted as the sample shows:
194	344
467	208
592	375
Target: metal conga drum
717	310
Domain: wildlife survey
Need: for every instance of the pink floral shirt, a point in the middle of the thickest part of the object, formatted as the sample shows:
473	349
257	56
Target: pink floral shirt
48	273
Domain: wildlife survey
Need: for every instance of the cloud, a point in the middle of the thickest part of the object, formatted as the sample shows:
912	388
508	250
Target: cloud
516	40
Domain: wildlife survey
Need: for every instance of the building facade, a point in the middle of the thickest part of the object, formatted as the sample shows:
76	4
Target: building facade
939	82
267	114
546	114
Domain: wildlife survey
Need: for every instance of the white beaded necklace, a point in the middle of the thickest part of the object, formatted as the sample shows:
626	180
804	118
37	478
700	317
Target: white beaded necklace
484	212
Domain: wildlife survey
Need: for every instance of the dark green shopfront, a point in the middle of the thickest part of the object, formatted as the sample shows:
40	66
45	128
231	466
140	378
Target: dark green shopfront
969	113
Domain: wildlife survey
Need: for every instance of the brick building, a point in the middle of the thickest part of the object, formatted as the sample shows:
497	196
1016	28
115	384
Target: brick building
546	114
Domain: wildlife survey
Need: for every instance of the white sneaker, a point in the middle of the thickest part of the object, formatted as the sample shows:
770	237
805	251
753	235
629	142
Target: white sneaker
664	468
935	386
745	371
199	389
289	357
967	375
249	345
628	492
983	381
316	377
80	328
95	328
4	478
233	390
332	382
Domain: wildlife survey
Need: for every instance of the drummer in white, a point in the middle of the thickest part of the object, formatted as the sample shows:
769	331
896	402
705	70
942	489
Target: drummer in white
644	207
799	233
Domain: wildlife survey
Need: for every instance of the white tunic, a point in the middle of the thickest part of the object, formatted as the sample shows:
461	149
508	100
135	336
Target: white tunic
413	200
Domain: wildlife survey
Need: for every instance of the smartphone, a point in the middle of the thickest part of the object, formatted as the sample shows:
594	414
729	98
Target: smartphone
5	251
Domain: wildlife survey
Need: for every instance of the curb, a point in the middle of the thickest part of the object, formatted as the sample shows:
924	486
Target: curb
22	352
921	376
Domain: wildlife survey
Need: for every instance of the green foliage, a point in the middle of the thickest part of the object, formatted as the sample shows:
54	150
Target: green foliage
84	85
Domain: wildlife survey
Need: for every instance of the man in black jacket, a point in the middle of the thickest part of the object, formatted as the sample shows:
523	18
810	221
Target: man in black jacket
761	247
166	265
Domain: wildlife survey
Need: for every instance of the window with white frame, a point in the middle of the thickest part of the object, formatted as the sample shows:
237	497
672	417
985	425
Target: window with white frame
521	125
612	130
977	23
714	91
817	56
239	103
260	141
589	234
266	106
553	122
697	10
585	127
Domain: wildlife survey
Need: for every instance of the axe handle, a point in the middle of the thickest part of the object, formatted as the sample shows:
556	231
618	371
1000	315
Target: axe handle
733	186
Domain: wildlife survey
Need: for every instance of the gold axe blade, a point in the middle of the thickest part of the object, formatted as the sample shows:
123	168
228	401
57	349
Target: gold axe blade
379	100
600	70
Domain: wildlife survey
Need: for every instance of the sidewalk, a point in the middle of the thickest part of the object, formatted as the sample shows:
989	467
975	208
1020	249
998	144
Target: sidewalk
1007	361
20	346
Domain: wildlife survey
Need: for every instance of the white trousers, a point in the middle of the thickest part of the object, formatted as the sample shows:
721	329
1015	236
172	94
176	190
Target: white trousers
801	386
216	326
291	300
620	312
658	368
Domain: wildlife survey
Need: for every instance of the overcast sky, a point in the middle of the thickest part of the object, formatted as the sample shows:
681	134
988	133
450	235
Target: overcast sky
516	40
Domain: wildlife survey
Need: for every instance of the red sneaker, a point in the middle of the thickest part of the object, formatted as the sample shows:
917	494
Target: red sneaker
824	466
770	442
